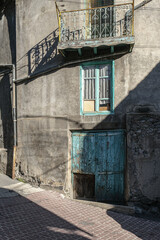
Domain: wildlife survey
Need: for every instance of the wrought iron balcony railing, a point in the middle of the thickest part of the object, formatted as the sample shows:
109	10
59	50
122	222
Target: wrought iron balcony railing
113	21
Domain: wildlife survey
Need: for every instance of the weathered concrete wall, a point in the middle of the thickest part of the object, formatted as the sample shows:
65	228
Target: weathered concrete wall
49	106
143	155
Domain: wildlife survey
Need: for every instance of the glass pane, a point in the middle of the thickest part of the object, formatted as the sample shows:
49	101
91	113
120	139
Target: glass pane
104	105
89	106
89	89
89	72
104	71
104	88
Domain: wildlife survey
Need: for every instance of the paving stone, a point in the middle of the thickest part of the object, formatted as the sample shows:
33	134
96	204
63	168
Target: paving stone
46	215
28	213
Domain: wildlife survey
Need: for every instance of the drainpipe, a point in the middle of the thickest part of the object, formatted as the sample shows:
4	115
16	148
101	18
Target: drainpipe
14	119
14	112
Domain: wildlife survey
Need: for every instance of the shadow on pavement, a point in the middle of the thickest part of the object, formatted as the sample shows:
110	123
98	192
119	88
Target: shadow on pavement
142	228
20	218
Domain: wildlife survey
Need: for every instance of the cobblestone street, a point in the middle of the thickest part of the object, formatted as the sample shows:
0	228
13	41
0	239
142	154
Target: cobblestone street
48	215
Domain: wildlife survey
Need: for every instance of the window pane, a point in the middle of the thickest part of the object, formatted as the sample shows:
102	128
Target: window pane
89	82
89	72
104	105
104	88
89	106
105	71
89	89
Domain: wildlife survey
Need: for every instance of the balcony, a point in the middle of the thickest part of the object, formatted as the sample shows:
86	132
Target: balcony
110	27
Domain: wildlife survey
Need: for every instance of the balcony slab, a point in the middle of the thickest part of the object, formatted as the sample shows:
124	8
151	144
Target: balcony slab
94	43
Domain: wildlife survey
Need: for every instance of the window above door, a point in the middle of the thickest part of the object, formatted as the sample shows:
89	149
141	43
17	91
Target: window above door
97	88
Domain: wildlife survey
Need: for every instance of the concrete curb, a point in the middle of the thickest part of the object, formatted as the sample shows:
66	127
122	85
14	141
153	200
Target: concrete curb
110	207
11	188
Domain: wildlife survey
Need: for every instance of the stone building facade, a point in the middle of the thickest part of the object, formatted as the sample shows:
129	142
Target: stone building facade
50	99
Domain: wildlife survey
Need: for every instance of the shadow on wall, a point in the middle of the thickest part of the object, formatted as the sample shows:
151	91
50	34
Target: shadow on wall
36	221
143	134
146	93
7	9
44	54
7	122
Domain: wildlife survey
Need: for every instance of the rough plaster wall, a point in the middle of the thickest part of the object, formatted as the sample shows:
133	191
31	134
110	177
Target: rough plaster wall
143	156
37	36
143	89
65	5
49	106
138	72
42	130
42	151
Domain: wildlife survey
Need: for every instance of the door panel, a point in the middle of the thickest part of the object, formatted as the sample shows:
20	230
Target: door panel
109	187
101	154
110	169
83	153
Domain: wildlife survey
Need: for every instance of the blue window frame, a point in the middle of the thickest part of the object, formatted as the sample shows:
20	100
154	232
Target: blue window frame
97	88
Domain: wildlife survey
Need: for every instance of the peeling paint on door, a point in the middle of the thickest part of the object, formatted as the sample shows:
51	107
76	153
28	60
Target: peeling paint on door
101	154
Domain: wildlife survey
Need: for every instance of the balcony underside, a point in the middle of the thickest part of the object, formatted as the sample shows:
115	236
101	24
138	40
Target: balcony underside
95	43
97	47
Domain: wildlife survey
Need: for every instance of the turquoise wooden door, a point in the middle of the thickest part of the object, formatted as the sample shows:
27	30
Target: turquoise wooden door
101	154
109	175
83	152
